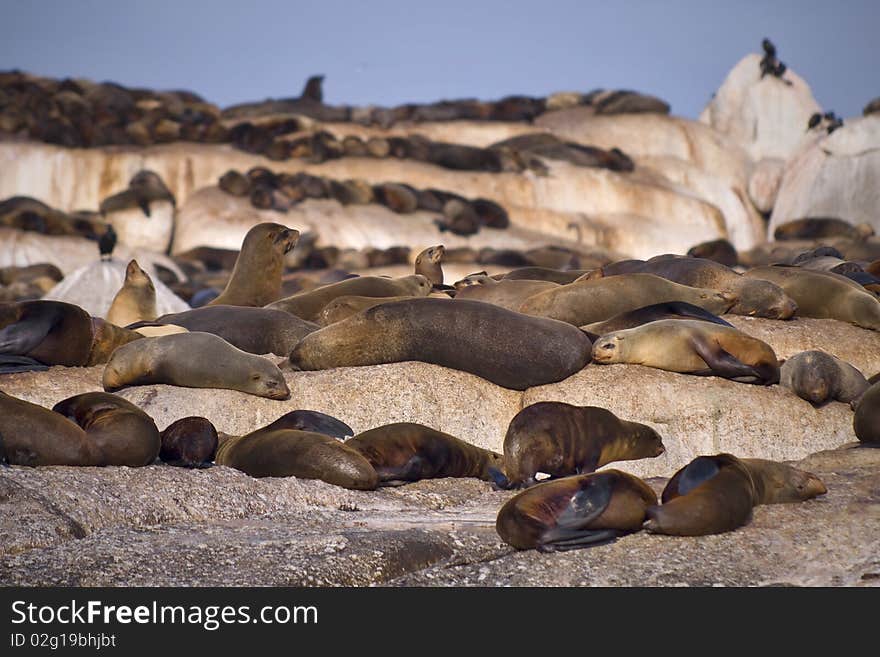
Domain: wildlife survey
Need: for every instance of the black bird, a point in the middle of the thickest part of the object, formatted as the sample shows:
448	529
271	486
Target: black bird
814	121
107	243
312	90
769	48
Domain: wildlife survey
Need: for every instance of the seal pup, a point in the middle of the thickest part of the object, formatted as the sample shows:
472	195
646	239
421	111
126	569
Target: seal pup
194	360
716	494
302	454
575	512
818	378
691	347
504	347
560	439
136	299
190	442
866	420
406	451
256	276
652	313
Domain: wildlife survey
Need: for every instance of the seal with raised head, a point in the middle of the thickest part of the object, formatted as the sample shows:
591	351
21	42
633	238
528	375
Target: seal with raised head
588	301
406	451
428	264
190	442
472	336
302	454
652	313
136	299
308	305
91	429
256	277
194	360
819	377
575	512
866	420
560	439
716	494
691	347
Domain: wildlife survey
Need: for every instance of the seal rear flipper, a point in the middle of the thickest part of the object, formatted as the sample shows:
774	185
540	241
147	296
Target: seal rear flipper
585	505
698	471
414	469
10	364
684	309
561	540
721	363
24	336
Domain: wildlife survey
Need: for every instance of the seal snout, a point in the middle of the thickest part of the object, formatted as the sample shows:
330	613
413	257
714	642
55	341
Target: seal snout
814	486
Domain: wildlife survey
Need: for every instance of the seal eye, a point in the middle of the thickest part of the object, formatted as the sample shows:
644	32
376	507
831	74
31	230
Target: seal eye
255	377
608	345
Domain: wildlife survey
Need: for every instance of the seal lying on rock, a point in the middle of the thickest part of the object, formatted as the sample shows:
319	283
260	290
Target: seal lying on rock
190	442
692	347
314	421
405	451
819	377
560	439
652	313
504	347
575	512
194	360
510	294
92	429
866	421
716	494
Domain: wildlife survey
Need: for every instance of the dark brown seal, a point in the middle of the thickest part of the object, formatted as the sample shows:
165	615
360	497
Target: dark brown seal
560	439
575	512
652	313
866	420
812	228
502	346
405	451
315	421
819	378
190	442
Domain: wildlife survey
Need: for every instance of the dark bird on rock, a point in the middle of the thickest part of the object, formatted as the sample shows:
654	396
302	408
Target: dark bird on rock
107	243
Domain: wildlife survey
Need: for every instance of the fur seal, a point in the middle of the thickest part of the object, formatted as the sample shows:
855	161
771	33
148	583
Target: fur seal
194	360
301	454
406	451
303	420
308	305
560	439
428	264
812	228
136	300
588	301
545	274
692	347
720	250
866	420
190	442
652	313
510	294
819	377
575	512
144	189
459	218
397	197
344	307
92	429
254	330
256	277
824	295
716	494
235	183
505	347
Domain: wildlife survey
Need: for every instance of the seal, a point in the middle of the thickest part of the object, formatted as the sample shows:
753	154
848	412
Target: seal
510	294
716	494
428	264
813	228
136	300
190	442
720	250
254	330
588	301
866	420
406	451
256	277
308	305
545	274
194	360
652	313
575	512
819	378
303	420
301	454
478	338
824	294
692	347
344	307
560	439
152	231
92	429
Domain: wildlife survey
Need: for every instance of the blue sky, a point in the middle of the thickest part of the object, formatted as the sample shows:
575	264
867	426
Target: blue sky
389	52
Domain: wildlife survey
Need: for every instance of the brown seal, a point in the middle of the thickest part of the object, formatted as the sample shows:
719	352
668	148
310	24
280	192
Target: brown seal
866	420
308	305
813	228
405	451
344	307
315	421
428	264
720	250
92	429
652	313
587	301
510	294
190	442
819	377
301	454
143	188
194	360
545	274
560	439
136	300
507	348
716	494
575	512
256	277
692	347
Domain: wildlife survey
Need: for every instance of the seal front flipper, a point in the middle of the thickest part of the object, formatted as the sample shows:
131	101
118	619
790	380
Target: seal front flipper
144	205
700	470
10	363
25	335
584	507
414	469
574	539
721	363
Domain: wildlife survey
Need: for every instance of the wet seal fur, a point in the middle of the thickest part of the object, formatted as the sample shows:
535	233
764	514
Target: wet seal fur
716	494
818	378
190	442
504	347
406	451
575	512
194	360
691	347
92	429
560	439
